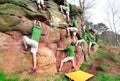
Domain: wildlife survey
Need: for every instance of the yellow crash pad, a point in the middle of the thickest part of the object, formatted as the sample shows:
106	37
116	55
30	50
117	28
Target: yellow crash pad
79	75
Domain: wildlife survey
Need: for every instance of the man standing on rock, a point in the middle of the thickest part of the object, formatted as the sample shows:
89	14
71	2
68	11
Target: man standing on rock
34	41
70	57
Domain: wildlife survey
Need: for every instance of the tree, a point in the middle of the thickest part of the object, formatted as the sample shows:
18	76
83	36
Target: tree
113	17
100	27
108	37
86	5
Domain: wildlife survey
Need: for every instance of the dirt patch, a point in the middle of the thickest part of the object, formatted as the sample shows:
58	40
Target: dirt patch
94	67
113	67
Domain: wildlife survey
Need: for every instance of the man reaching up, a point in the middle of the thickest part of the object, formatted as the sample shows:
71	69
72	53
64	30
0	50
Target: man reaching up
70	57
33	42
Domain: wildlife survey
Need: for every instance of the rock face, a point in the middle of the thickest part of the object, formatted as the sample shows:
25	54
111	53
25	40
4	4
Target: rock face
16	19
19	14
12	58
15	12
48	56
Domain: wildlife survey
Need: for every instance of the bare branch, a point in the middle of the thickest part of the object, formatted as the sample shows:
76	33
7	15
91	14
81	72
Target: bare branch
89	4
113	18
85	5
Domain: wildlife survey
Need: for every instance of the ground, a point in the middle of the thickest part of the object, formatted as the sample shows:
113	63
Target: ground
108	64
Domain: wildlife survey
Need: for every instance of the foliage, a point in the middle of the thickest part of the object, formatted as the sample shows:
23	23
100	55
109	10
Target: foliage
3	77
5	1
108	37
105	77
100	27
26	79
12	12
8	22
58	78
16	2
104	64
112	11
89	26
95	56
75	11
12	77
115	59
84	65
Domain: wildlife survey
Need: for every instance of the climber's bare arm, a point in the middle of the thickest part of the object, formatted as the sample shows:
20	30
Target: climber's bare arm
34	22
59	49
39	23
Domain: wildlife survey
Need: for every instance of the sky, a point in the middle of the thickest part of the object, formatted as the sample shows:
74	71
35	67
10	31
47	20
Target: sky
97	13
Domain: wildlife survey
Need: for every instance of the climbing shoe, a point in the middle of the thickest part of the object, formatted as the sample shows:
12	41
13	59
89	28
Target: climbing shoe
61	11
83	50
25	49
68	22
40	10
33	70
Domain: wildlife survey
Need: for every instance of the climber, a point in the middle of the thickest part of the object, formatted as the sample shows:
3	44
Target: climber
81	42
33	42
89	44
73	29
70	57
41	5
97	39
92	44
66	8
83	38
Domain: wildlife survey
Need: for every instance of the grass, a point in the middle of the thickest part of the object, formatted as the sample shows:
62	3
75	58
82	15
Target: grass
100	77
26	80
15	77
84	65
94	56
105	77
115	59
3	77
12	77
58	78
104	64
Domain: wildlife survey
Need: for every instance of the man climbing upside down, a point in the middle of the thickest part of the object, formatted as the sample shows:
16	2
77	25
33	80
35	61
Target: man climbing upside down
34	41
70	57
